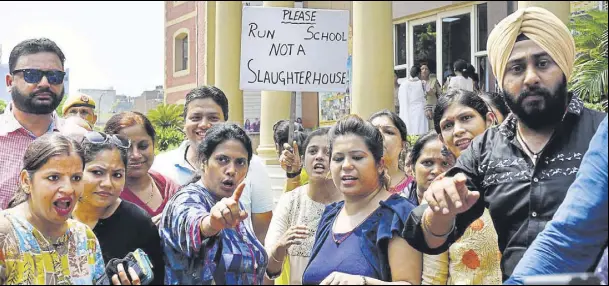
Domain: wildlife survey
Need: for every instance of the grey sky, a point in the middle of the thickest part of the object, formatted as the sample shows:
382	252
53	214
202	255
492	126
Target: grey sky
117	44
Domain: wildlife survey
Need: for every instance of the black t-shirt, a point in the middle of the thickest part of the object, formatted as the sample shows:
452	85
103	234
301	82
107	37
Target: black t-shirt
128	229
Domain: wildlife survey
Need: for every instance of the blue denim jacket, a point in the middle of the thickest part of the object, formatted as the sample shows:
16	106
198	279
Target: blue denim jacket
577	234
378	230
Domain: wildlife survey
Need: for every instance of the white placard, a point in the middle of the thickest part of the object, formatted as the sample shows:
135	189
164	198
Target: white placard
294	49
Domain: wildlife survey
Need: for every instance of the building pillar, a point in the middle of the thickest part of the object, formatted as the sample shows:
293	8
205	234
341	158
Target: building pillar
227	57
562	9
210	42
275	105
372	86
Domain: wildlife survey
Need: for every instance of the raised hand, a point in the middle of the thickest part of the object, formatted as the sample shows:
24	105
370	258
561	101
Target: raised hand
450	195
226	213
290	158
294	236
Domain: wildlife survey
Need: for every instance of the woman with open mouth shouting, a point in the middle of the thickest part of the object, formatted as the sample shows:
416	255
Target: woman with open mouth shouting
144	187
36	232
358	240
292	231
204	235
120	226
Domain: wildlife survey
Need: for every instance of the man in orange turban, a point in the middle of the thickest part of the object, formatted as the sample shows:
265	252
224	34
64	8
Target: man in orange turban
531	53
521	170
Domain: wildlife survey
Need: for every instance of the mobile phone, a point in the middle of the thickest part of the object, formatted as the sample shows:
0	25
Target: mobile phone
138	260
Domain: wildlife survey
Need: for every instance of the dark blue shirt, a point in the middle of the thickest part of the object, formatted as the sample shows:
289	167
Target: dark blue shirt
344	257
373	237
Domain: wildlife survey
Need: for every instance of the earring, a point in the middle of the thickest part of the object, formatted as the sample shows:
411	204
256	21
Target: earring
385	179
26	190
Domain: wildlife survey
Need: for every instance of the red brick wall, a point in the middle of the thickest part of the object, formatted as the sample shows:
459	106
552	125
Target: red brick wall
172	13
169	42
174	97
201	42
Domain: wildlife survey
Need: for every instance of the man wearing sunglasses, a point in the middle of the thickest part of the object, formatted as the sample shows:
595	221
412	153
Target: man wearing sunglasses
36	84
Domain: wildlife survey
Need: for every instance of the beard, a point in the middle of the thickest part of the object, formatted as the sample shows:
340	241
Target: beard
539	114
33	105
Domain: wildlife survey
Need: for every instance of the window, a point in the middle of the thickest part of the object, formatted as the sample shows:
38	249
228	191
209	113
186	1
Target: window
482	27
185	53
181	52
511	7
424	49
400	44
483	71
456	40
482	67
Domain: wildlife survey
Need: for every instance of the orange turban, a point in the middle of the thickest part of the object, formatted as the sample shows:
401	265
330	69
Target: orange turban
540	26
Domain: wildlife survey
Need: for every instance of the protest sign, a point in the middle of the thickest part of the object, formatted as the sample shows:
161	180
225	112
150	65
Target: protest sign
294	49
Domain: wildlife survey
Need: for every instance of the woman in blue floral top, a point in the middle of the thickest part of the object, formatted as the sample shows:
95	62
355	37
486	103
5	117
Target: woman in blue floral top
203	236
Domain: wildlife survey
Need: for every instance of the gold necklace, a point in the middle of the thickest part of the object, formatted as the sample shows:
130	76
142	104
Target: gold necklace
151	191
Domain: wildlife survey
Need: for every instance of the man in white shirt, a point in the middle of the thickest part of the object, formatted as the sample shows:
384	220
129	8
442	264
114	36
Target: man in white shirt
204	107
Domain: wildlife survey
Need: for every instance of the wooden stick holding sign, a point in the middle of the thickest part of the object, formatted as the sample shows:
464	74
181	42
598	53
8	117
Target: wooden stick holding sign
292	126
292	119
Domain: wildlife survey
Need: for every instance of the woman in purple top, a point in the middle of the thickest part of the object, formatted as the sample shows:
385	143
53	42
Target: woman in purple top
357	240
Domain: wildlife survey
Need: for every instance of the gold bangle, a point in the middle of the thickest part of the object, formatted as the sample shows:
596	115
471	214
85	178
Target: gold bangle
426	225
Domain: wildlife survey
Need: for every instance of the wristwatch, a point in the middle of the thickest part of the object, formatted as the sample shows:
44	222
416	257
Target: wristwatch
293	175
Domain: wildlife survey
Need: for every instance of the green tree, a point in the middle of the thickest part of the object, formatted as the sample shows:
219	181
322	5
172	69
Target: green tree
168	122
167	116
589	79
2	106
167	138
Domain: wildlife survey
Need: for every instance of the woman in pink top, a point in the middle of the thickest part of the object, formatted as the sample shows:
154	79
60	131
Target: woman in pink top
144	187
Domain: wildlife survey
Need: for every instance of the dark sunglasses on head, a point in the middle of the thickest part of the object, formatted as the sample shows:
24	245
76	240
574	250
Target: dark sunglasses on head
102	138
35	75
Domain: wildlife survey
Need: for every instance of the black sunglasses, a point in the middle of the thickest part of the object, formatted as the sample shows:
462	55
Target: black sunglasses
35	75
99	138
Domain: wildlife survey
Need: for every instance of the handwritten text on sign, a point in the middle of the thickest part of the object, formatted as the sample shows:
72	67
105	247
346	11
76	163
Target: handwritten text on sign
288	49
